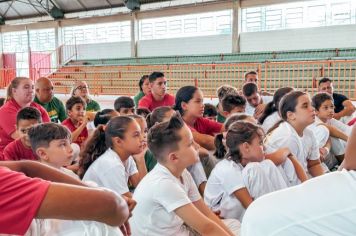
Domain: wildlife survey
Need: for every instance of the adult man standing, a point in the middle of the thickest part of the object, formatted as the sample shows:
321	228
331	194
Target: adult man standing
343	107
158	96
44	97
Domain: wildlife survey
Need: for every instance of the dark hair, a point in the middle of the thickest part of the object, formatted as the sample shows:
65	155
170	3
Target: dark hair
324	80
210	110
101	140
142	112
42	135
274	104
103	117
141	81
2	101
250	73
230	101
157	115
123	102
72	101
29	113
238	133
224	90
288	103
249	88
155	75
184	94
220	150
13	84
163	137
319	98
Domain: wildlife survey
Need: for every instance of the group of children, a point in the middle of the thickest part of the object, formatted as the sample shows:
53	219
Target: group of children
191	168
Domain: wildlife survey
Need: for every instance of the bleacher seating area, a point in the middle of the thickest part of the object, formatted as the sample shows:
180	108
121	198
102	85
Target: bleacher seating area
293	68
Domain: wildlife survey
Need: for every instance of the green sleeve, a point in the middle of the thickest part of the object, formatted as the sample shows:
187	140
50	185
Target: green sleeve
62	114
150	161
138	97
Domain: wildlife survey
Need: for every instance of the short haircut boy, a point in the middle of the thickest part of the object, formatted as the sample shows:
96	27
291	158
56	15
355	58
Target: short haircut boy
29	113
155	75
75	100
224	90
319	98
210	110
249	89
230	102
163	137
250	73
324	80
123	102
43	134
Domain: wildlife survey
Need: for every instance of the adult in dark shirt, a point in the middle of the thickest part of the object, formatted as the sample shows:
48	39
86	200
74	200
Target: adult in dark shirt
343	106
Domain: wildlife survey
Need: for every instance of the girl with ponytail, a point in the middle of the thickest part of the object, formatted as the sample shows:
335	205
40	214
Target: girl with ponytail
107	157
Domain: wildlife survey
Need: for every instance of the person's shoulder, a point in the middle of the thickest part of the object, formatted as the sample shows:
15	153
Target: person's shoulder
339	96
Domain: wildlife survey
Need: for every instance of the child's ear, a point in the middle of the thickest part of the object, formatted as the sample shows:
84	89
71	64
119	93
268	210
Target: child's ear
172	157
184	105
245	146
291	115
42	154
117	140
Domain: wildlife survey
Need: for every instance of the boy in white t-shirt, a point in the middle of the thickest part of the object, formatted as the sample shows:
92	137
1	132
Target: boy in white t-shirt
339	132
51	142
167	196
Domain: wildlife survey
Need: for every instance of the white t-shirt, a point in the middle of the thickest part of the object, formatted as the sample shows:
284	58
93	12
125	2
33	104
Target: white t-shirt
250	110
110	172
158	195
324	205
197	172
341	126
320	132
303	148
224	180
270	121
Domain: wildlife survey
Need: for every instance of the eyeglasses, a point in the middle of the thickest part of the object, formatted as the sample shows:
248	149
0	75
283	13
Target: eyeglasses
82	87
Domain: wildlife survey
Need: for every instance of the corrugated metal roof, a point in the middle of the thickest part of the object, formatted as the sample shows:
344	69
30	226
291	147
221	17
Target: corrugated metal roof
21	9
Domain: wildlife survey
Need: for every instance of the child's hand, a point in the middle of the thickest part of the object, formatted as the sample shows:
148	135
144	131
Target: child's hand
141	156
130	203
323	153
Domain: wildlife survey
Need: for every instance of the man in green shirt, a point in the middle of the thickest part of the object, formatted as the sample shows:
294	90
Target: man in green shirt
44	97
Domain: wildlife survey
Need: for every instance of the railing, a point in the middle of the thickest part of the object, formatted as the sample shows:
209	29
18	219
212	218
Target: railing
123	80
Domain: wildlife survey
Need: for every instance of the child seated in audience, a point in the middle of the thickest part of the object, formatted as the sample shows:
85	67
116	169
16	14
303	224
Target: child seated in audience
163	114
339	132
77	120
210	111
189	103
279	157
324	206
51	142
167	197
232	104
142	112
124	105
270	115
297	113
244	174
107	156
221	92
103	117
21	148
